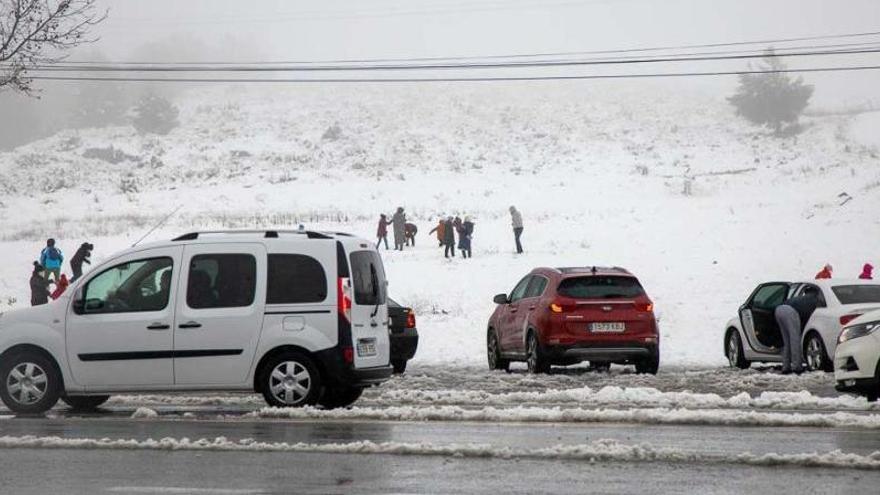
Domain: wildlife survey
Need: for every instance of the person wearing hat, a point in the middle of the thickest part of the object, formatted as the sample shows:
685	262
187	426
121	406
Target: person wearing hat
449	238
51	259
517	222
399	224
39	286
825	273
467	232
82	255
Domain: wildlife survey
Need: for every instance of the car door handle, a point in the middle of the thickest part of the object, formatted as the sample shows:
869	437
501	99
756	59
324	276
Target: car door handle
190	324
158	326
531	308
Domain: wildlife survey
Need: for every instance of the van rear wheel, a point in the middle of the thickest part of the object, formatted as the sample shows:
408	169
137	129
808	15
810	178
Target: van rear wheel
84	402
290	379
30	383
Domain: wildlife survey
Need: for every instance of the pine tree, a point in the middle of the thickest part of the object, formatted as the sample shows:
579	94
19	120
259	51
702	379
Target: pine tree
154	114
772	98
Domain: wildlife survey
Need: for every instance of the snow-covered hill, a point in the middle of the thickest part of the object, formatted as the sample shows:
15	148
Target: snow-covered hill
671	185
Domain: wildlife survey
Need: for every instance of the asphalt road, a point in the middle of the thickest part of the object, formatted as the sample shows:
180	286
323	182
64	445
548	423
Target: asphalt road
49	470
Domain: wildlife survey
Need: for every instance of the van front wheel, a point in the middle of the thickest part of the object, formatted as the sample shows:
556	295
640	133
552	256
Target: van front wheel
30	383
290	379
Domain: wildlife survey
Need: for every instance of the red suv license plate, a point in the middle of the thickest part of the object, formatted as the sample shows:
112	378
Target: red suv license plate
608	327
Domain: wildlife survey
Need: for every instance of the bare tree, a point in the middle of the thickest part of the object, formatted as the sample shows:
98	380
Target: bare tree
35	33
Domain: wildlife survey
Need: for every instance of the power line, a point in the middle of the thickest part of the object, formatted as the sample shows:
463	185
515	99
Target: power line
448	66
455	79
530	55
781	51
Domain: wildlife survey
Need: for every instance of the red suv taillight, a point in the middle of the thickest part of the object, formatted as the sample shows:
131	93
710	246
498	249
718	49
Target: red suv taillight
646	307
848	318
343	297
410	319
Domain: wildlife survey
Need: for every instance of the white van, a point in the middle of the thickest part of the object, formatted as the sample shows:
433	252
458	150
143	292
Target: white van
300	317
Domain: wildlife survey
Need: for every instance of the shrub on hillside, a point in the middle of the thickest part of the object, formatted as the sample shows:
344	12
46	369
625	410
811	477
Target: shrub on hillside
154	115
771	98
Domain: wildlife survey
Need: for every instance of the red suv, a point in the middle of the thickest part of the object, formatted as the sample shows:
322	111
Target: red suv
563	316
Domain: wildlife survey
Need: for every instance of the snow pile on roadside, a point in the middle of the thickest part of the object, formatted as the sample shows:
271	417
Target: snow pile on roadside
598	451
577	415
144	413
187	400
625	397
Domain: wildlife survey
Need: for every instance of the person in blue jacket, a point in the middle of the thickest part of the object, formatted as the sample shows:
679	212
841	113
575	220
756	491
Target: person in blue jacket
51	259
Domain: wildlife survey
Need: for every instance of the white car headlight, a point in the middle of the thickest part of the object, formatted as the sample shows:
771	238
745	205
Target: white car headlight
857	331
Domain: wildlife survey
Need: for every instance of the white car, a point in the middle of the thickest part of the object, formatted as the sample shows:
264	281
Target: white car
857	358
754	336
300	317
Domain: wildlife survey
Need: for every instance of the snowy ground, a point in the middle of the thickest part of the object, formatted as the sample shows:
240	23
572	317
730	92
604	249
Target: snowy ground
599	173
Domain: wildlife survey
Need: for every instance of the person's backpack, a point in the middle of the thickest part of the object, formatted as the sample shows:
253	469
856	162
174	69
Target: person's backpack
53	254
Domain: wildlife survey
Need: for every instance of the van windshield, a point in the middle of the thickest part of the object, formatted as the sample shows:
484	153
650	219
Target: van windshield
600	287
368	278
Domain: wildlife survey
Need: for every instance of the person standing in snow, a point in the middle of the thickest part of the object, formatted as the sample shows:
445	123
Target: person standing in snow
464	242
440	229
867	272
51	259
382	231
449	238
792	317
82	255
825	273
456	223
399	224
409	232
39	286
517	223
60	287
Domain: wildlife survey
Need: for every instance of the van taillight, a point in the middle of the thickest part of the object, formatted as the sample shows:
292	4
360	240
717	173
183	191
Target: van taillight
348	355
848	318
410	319
343	297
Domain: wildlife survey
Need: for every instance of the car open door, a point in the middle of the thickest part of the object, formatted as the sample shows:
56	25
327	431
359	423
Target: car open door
758	316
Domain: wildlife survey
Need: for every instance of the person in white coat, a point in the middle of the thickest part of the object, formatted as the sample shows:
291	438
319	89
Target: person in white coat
517	223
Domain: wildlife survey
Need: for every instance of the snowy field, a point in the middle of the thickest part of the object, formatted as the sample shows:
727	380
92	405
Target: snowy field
696	203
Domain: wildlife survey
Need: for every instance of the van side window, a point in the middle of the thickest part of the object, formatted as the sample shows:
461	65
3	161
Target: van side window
142	285
295	278
221	281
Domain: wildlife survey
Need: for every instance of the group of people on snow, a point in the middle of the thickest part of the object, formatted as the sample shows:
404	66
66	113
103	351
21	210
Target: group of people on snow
404	232
828	272
47	271
447	230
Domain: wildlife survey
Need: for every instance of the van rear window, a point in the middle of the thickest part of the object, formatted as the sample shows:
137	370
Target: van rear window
368	278
857	294
600	287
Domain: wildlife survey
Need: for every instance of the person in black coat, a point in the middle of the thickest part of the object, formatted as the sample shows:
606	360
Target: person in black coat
449	238
39	286
82	255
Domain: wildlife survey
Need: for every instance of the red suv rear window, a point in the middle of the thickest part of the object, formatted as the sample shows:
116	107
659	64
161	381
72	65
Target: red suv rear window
600	287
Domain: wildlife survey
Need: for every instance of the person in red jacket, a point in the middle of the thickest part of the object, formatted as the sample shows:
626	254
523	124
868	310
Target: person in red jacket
867	272
60	287
382	231
825	273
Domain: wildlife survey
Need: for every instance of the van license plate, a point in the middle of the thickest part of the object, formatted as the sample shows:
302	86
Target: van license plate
366	347
607	327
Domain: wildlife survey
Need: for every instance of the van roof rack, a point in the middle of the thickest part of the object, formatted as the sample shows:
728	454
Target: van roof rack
269	234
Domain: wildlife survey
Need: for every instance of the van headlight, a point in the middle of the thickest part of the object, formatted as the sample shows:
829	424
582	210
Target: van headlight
857	331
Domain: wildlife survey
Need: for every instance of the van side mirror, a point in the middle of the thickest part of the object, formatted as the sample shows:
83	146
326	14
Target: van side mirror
501	299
